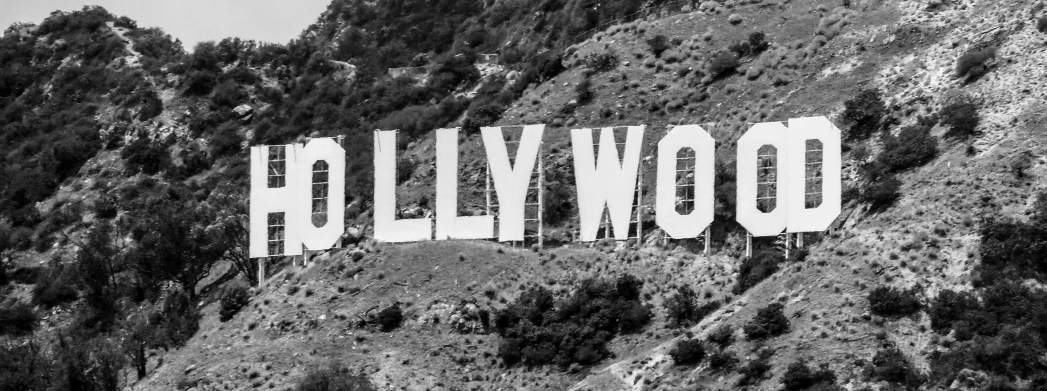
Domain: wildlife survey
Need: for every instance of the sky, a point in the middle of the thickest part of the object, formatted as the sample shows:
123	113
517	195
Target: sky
192	21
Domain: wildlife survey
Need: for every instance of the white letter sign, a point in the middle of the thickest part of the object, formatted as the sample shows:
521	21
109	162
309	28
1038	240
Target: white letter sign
606	182
282	196
790	213
386	227
512	180
448	224
672	222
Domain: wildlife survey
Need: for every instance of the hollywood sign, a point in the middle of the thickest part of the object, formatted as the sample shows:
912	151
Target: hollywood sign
285	185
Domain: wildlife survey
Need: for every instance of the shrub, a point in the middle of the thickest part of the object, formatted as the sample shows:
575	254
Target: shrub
770	321
1041	25
886	301
723	62
201	83
798	376
106	206
390	318
961	115
687	352
757	268
758	42
145	156
225	140
537	330
950	307
584	91
228	95
682	308
234	298
602	62
17	319
482	113
913	147
742	48
971	64
334	378
658	44
890	365
722	360
152	106
756	370
722	335
54	287
404	169
863	113
881	193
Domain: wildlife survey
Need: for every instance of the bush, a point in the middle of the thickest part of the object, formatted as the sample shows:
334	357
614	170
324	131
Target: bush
201	83
864	113
658	44
404	169
334	378
722	360
145	156
1041	25
886	301
971	64
913	147
225	140
757	268
682	308
687	352
799	377
602	62
890	365
950	307
54	287
758	42
228	95
106	206
17	319
756	370
722	335
881	193
723	62
390	318
538	330
584	91
152	106
961	116
770	321
234	298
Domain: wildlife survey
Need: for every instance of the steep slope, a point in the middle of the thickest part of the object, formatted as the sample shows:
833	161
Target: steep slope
683	63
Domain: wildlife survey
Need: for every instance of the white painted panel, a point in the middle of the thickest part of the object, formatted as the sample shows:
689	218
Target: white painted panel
512	180
819	218
386	227
609	182
691	225
327	150
448	224
756	222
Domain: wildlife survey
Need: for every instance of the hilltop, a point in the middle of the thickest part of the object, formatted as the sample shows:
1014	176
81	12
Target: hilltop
124	209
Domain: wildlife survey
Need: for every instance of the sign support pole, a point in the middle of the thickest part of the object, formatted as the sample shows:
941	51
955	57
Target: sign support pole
748	244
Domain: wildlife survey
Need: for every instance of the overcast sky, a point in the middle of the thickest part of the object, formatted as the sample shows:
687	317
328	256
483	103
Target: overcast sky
191	21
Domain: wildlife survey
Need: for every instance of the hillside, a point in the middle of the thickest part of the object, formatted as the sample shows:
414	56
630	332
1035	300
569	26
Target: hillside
122	225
